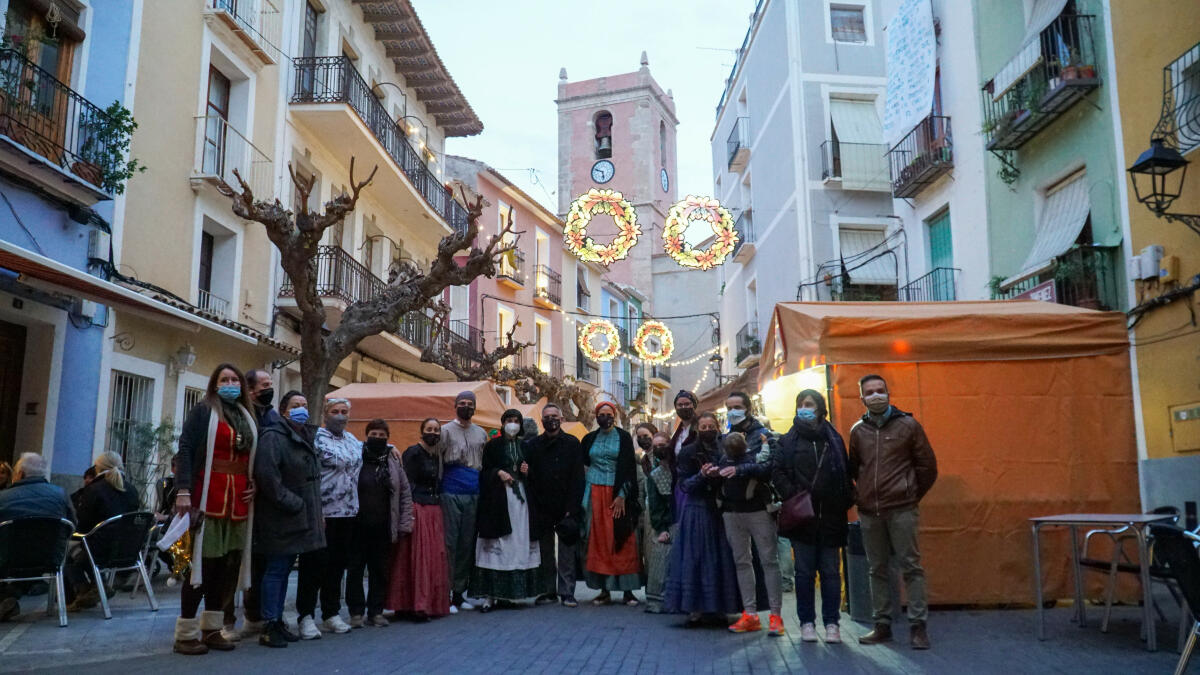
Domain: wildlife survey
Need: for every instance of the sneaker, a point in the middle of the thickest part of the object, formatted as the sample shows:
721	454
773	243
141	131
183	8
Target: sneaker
335	624
230	632
808	632
833	634
356	621
775	626
378	621
467	605
748	623
570	602
453	609
308	629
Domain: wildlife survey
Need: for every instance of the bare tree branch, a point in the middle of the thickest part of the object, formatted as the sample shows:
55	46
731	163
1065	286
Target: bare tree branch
478	366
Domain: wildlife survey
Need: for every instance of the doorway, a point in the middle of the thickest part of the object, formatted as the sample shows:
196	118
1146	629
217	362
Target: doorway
12	359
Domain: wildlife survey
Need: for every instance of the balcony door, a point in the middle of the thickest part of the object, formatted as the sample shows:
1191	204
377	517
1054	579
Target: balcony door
216	126
34	77
941	249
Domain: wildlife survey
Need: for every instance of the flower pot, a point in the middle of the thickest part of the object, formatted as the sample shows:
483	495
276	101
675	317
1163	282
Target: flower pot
1070	73
1087	72
88	171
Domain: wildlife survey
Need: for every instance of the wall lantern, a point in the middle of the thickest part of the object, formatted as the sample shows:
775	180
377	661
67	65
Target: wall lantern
1157	178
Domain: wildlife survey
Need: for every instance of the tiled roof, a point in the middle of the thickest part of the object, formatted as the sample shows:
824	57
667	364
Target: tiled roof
263	338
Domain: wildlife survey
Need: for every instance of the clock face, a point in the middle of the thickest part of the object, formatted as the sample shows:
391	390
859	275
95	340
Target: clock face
665	180
603	171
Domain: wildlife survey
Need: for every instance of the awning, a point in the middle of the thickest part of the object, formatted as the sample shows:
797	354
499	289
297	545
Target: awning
714	399
867	269
1063	217
860	145
1042	14
52	275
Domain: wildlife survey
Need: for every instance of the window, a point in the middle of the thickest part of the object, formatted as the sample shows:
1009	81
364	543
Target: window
50	48
848	23
460	304
368	254
603	123
583	296
308	46
130	415
1185	92
192	396
662	143
216	125
216	280
941	250
541	341
505	321
206	261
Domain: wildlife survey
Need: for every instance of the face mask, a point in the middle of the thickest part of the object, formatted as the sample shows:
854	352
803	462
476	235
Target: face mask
708	437
685	414
431	439
605	421
298	415
551	424
464	412
644	442
736	416
660	451
265	397
377	445
512	429
229	392
806	416
336	423
876	403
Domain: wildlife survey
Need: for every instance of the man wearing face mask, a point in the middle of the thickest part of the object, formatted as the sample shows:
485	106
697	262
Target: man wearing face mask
556	489
893	466
262	394
462	454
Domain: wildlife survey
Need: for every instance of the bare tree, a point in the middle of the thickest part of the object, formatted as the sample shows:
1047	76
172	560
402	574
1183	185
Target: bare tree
297	236
466	361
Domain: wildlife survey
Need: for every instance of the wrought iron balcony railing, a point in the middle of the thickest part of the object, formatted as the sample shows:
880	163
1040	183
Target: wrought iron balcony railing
747	341
586	371
333	79
637	389
512	267
1085	276
744	226
921	157
548	284
939	285
259	21
618	389
738	144
339	276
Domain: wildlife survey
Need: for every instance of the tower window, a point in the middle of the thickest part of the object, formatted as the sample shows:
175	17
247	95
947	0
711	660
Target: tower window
603	124
662	143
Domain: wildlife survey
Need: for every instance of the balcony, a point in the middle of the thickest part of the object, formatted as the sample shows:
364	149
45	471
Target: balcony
217	306
939	285
865	293
921	157
1085	276
220	149
637	390
739	145
1044	80
340	279
583	298
586	371
744	226
618	390
748	345
858	166
256	25
544	361
53	136
661	375
547	287
511	270
334	102
623	332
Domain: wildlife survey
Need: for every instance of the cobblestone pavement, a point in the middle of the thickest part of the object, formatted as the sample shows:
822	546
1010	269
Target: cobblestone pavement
554	639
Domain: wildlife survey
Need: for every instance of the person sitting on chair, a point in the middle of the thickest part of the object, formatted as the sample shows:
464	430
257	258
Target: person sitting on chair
30	496
108	495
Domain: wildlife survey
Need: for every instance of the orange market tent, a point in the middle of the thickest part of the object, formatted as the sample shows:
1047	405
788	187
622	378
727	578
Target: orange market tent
1028	406
405	404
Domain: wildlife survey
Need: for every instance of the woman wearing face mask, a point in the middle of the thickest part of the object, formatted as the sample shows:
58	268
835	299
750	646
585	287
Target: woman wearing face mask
813	457
217	448
288	510
660	505
385	514
321	571
507	554
610	502
702	577
643	435
420	575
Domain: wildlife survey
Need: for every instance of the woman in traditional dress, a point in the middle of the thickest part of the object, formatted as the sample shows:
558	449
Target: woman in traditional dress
507	554
702	577
216	450
612	508
660	505
420	580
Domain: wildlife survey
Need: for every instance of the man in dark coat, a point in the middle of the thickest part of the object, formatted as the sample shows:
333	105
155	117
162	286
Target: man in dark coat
556	490
29	496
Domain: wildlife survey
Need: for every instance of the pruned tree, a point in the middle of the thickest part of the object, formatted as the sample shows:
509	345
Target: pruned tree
464	360
297	236
532	383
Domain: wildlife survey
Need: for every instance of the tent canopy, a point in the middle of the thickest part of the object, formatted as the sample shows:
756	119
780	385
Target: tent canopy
803	334
415	401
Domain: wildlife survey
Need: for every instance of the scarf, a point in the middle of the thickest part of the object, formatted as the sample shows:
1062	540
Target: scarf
378	461
512	457
243	433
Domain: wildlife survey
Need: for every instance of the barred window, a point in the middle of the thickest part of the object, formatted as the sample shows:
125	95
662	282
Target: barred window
130	410
1184	83
848	23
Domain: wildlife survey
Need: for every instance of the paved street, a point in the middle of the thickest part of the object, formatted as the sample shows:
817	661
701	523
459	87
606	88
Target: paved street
607	639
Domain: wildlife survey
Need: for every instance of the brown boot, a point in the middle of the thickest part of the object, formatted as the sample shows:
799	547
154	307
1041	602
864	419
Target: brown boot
881	633
187	637
918	637
211	624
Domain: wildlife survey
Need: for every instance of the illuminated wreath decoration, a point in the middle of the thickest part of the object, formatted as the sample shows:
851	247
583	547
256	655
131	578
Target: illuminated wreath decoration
600	327
694	208
593	202
654	329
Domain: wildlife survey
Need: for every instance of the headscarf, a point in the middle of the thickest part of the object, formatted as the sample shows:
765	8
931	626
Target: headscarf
608	404
686	394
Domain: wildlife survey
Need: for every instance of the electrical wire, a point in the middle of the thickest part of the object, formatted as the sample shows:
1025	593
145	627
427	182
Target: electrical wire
22	223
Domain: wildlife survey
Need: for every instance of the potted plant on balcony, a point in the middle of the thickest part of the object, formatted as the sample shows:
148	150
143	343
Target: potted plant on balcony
106	136
1076	69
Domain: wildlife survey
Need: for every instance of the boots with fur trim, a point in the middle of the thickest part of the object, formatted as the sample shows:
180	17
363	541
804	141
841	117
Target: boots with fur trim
211	624
187	637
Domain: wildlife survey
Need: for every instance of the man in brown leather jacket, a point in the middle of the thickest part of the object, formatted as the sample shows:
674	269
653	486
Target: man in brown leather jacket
893	467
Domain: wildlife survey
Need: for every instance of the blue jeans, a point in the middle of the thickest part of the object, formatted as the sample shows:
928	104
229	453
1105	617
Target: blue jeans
274	585
810	562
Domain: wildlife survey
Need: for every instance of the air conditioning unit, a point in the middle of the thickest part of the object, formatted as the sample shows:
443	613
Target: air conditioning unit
98	244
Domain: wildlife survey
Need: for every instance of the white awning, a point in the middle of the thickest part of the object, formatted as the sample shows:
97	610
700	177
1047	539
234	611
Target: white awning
1042	14
860	145
1063	217
876	267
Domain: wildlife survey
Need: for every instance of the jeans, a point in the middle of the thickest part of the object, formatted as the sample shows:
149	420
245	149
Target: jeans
374	552
887	535
321	570
272	587
810	562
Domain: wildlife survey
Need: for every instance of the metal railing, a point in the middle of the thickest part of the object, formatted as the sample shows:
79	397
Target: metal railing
866	161
54	121
1044	79
939	285
586	371
739	139
865	293
333	79
661	372
623	334
416	328
583	297
747	342
214	304
1085	276
740	54
618	389
546	362
744	226
921	157
512	266
260	19
222	149
339	276
637	389
1180	120
548	284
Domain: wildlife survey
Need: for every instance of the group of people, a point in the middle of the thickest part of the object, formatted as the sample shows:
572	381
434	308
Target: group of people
463	520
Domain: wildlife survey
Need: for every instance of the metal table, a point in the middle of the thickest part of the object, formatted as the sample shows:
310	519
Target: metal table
1138	523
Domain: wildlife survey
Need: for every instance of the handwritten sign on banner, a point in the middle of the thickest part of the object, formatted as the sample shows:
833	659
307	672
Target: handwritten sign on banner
911	69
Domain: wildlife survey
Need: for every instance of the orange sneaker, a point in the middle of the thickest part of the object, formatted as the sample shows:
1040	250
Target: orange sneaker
776	626
748	623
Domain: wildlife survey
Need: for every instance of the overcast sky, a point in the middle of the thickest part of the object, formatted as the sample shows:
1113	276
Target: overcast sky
505	57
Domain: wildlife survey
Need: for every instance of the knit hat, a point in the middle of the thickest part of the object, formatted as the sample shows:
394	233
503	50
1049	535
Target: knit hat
465	396
606	404
684	393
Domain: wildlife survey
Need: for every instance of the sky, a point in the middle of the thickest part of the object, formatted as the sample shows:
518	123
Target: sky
505	57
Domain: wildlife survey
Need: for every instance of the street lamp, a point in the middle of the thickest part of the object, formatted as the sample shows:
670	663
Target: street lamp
1157	178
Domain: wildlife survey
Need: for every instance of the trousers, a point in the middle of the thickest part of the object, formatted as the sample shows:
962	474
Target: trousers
894	534
558	566
321	571
372	555
755	528
458	515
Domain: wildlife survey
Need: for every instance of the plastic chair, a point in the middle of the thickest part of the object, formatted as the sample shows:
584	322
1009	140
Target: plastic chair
118	545
1176	547
34	549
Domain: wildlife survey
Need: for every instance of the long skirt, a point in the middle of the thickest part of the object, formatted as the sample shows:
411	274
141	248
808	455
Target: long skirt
420	580
657	559
508	568
702	577
608	568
